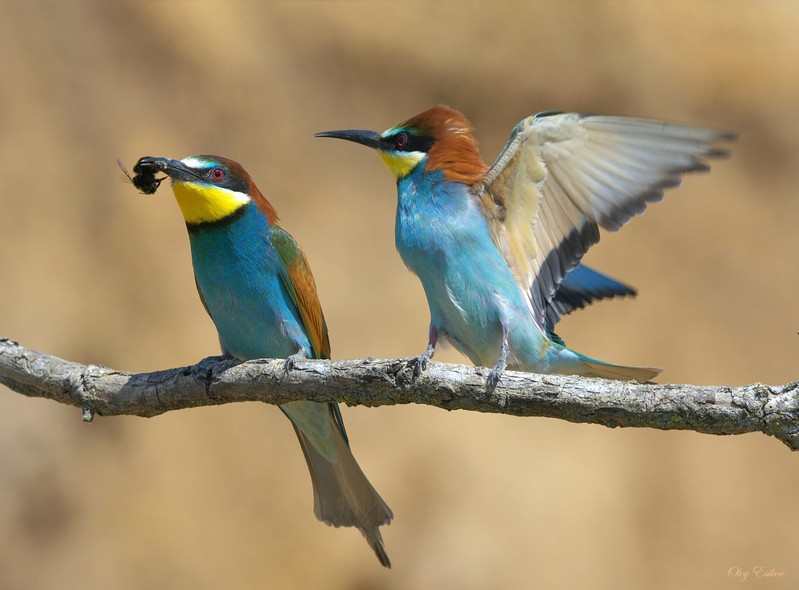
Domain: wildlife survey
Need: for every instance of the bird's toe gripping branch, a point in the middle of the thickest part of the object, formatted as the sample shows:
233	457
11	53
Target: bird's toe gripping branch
292	360
418	364
83	389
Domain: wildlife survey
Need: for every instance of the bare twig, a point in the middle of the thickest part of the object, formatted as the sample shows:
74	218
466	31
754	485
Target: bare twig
773	410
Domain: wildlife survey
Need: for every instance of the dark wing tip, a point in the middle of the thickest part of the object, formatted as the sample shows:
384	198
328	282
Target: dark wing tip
730	136
543	114
718	153
382	556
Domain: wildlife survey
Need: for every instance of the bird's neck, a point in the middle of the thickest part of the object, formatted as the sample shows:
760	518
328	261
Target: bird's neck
458	158
201	203
429	207
246	219
421	185
402	163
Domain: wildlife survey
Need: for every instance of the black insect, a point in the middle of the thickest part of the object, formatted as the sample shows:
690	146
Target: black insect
144	173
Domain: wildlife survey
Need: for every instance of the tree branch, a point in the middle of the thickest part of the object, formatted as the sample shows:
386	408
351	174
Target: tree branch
773	410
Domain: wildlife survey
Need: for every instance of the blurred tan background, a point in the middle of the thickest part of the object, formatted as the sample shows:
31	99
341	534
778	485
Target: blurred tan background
220	497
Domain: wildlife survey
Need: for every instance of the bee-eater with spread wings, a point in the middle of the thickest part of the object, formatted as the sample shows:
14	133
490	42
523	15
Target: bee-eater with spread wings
492	246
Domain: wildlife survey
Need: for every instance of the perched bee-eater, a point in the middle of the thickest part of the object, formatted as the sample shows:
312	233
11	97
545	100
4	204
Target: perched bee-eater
256	285
492	246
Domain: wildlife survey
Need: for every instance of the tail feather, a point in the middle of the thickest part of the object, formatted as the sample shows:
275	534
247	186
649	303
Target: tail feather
343	495
620	372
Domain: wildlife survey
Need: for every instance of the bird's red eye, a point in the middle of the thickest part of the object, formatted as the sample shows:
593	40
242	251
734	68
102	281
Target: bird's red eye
402	140
217	174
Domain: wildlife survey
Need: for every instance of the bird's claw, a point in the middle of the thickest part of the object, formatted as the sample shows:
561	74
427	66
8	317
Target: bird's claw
204	368
419	363
217	359
412	369
494	375
291	362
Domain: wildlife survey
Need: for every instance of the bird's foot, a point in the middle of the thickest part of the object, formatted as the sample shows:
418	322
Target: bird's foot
291	361
413	368
217	359
419	363
204	368
494	375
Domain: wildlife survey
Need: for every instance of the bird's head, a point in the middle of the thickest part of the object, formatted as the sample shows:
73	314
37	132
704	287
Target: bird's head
207	188
438	139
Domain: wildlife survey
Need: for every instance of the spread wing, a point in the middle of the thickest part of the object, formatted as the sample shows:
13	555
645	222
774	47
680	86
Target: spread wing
562	176
300	284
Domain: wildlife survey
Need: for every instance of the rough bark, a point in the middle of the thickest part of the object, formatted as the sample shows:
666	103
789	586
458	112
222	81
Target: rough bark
772	410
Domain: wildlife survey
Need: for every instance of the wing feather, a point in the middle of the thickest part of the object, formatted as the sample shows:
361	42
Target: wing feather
300	284
580	287
561	177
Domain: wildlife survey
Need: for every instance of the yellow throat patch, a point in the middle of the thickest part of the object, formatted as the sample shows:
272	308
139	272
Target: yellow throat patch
202	203
401	163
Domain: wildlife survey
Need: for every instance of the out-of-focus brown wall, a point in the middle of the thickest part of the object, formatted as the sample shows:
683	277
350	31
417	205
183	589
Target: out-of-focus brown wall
220	497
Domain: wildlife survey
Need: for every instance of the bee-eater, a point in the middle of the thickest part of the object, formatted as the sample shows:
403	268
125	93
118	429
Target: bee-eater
256	285
492	246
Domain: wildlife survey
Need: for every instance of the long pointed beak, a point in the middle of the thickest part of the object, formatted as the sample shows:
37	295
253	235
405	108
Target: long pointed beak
370	139
175	169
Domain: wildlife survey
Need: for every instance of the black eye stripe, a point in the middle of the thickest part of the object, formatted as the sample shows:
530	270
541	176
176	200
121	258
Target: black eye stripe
228	180
407	142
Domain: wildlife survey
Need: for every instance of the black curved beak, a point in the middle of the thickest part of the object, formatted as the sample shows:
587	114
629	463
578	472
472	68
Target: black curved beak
370	139
175	169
